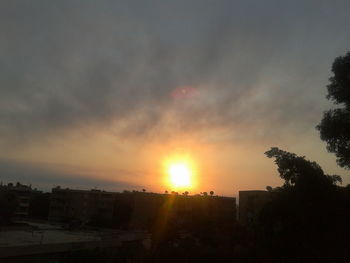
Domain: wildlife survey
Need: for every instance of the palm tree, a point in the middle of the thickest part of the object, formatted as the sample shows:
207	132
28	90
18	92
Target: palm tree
211	193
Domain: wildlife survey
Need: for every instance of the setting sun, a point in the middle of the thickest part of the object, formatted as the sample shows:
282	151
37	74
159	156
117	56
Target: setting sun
179	175
180	171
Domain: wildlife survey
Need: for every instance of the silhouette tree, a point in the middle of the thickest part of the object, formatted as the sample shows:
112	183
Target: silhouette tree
298	172
144	190
211	193
308	209
205	194
335	125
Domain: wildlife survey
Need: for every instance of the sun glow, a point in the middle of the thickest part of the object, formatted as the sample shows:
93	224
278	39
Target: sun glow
179	175
180	172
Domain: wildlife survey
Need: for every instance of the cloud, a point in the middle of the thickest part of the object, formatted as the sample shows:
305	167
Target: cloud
68	65
44	177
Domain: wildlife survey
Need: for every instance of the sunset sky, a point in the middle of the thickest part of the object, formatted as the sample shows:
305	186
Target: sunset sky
103	93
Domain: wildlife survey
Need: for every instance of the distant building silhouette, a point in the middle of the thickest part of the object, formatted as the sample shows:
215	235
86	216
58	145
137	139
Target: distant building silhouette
136	210
250	204
23	195
149	207
84	205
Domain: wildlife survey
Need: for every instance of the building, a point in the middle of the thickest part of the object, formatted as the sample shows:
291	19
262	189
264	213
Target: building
23	195
83	205
137	210
250	205
151	209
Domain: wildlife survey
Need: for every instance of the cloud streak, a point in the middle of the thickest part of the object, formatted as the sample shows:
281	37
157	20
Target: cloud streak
66	64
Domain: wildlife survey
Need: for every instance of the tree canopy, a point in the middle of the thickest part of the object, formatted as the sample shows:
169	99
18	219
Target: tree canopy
298	172
335	125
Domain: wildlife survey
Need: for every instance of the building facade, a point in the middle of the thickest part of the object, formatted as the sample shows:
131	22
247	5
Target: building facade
83	205
138	210
250	205
151	208
23	195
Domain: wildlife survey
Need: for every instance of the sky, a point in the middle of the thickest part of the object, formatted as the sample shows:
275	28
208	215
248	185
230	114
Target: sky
98	94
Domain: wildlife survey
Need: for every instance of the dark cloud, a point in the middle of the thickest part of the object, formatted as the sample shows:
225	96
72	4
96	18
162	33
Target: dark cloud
255	64
44	177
